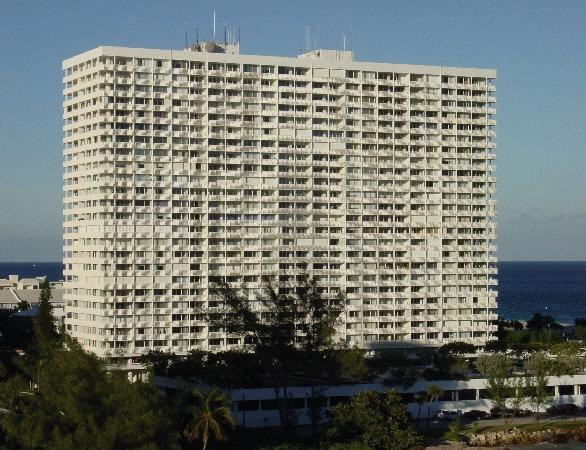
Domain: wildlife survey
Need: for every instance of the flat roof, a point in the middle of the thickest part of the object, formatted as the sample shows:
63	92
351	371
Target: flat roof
276	60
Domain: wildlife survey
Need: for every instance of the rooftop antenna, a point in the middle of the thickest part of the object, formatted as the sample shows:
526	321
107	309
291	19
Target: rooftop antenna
225	31
239	36
214	24
344	41
197	35
185	38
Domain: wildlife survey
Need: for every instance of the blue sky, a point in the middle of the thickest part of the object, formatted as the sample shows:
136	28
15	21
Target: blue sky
538	48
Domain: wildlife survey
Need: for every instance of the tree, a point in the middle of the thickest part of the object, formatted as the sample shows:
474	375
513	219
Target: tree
385	359
158	361
210	414
315	318
15	333
537	368
434	392
46	340
517	385
350	365
78	404
541	322
290	330
22	305
374	421
580	330
447	365
568	358
267	329
454	432
457	348
45	330
496	368
495	346
504	326
420	398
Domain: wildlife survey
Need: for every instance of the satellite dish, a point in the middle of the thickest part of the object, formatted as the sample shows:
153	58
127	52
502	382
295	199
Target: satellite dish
210	47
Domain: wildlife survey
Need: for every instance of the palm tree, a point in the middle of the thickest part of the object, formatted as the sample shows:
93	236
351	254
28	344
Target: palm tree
419	399
433	392
211	413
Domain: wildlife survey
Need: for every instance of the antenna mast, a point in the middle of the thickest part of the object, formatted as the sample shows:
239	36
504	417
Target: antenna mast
214	24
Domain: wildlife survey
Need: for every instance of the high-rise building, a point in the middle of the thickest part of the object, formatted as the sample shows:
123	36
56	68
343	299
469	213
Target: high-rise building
182	166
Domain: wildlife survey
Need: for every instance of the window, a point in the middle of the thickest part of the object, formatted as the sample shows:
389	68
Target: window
268	405
566	389
336	400
467	394
296	403
247	405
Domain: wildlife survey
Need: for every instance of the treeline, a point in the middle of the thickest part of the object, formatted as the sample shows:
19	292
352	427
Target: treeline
57	396
540	333
521	384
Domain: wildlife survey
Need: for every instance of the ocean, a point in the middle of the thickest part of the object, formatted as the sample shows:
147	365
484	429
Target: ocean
52	270
554	288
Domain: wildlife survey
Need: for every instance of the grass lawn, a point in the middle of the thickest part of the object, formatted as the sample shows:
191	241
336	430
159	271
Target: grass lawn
568	424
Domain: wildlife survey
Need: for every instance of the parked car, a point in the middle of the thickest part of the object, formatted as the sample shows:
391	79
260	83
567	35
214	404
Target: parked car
476	414
495	412
567	409
448	414
522	412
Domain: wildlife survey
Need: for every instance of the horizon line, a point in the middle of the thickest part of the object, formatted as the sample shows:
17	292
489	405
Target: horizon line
499	261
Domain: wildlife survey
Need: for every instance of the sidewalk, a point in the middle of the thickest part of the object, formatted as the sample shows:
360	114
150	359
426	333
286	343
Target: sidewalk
529	419
540	446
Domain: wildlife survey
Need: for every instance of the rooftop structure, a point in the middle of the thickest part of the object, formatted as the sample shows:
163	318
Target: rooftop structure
11	297
14	281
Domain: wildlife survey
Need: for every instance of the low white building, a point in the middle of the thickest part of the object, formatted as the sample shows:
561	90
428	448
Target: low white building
14	281
258	408
14	290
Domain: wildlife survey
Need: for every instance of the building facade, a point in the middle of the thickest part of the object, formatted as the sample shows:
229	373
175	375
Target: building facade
258	407
182	166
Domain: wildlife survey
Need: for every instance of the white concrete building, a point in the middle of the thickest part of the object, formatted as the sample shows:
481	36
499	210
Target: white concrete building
258	407
14	289
181	166
14	281
11	296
